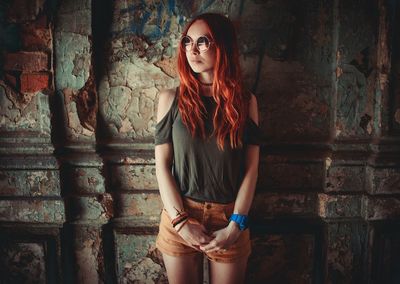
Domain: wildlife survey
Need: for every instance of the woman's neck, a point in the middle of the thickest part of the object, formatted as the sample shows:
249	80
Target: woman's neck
206	90
206	80
206	77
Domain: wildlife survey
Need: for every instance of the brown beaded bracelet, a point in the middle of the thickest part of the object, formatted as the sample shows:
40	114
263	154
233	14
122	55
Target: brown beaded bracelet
179	219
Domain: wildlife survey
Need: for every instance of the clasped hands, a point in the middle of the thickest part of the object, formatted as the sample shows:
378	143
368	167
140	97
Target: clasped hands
195	234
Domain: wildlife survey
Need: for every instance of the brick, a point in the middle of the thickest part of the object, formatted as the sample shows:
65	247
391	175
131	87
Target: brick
34	38
345	178
42	21
31	83
26	61
85	180
142	209
381	208
32	211
383	180
336	206
268	205
24	10
134	177
88	208
29	183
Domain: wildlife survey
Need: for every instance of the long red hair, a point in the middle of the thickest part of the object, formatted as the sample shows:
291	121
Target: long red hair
232	102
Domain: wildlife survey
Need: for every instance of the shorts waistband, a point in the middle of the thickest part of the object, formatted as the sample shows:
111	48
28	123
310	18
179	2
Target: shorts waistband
193	202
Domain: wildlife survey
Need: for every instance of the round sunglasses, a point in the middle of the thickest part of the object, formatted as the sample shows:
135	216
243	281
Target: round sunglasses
202	43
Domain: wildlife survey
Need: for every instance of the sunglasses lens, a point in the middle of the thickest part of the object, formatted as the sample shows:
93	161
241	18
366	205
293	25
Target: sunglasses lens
186	43
203	44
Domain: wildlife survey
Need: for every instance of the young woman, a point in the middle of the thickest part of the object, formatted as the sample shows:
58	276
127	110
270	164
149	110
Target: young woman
207	155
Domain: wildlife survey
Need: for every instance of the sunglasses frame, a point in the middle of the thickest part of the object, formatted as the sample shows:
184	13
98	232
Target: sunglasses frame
195	43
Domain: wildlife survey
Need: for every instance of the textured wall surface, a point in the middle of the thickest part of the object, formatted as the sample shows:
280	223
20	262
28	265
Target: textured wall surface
79	84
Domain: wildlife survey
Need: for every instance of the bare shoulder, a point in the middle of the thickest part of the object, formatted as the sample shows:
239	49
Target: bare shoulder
253	108
165	99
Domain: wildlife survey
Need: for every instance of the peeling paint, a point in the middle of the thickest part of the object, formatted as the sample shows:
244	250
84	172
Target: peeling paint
143	271
87	105
24	111
134	177
67	74
139	260
107	203
42	183
74	126
20	101
33	211
24	262
87	251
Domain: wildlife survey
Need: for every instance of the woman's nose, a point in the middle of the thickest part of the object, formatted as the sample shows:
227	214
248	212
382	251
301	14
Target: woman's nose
194	49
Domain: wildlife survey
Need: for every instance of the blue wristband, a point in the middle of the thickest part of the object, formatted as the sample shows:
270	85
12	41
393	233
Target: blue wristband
241	220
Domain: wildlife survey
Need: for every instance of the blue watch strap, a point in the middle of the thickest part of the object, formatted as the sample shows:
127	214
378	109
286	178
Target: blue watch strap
241	220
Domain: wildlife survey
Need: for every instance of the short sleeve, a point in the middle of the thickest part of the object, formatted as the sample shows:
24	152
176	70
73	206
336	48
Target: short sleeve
163	129
252	133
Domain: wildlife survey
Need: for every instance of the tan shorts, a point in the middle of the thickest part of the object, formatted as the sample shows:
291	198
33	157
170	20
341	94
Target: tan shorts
213	216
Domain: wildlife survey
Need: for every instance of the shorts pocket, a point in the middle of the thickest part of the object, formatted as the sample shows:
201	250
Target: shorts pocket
228	210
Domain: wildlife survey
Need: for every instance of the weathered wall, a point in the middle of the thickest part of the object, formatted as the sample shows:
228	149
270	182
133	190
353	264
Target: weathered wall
79	200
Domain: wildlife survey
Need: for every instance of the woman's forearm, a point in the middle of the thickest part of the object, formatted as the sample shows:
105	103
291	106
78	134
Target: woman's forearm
169	190
170	196
247	188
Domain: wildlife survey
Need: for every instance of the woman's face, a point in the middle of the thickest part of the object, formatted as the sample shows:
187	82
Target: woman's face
205	61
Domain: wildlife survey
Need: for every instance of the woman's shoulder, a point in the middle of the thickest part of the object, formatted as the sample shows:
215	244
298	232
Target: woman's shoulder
167	95
165	99
253	107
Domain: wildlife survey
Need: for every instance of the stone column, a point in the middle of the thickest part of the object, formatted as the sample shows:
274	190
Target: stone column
31	207
88	206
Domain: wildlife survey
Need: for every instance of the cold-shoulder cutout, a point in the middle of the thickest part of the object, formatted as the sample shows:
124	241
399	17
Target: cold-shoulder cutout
253	134
165	101
253	108
167	107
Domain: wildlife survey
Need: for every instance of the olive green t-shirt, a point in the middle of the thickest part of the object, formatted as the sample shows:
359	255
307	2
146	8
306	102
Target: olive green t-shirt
202	171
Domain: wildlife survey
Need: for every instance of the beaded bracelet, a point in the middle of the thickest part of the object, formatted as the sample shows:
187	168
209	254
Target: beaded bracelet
180	220
182	216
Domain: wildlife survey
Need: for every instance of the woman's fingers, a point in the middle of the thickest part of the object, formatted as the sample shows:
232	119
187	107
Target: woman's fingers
211	246
195	235
202	238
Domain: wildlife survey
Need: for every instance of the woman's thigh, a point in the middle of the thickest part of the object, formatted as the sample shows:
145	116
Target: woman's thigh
232	273
184	269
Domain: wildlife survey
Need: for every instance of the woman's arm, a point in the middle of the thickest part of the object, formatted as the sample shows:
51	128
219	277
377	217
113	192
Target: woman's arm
225	237
163	157
192	232
245	195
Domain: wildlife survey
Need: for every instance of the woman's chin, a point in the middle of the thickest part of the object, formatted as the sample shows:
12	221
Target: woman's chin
198	69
